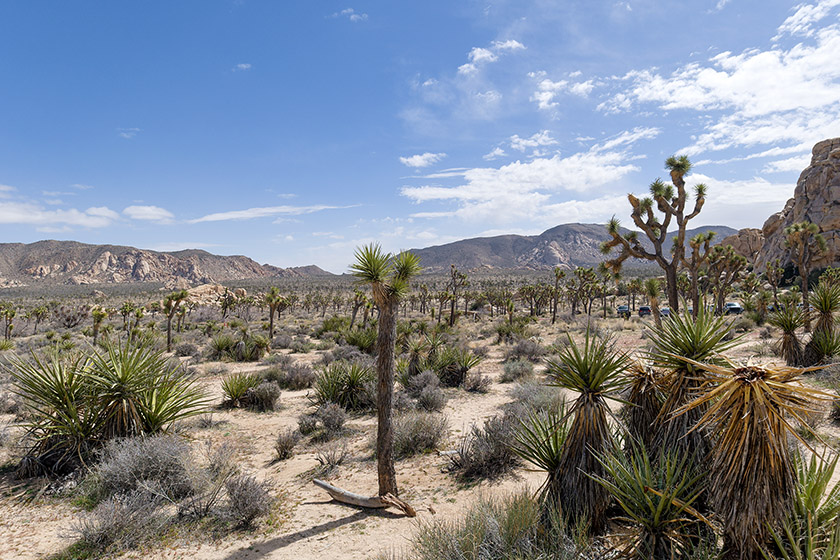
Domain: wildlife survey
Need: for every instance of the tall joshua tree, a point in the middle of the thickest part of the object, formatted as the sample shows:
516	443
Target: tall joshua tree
388	277
700	246
275	303
559	274
670	201
170	306
804	241
652	287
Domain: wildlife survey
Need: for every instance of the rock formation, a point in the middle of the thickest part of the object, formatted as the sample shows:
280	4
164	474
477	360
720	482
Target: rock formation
748	243
816	199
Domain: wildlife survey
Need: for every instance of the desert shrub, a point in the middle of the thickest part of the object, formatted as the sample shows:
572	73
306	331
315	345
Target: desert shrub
346	353
131	465
216	369
431	399
333	418
363	339
334	324
263	397
186	349
221	347
765	334
294	376
481	351
344	384
307	424
235	388
331	456
301	346
743	324
516	370
248	498
285	443
477	382
498	528
509	331
453	364
486	451
6	345
277	359
209	482
282	341
402	401
417	432
415	385
121	522
526	349
529	398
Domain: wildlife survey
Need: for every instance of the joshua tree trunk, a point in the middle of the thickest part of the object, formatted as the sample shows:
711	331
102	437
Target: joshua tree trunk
385	390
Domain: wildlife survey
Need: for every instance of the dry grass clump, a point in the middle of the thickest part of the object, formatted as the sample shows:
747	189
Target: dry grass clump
419	432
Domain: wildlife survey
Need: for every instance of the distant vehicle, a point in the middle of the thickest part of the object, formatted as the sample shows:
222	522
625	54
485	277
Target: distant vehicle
665	312
623	311
732	308
645	310
773	308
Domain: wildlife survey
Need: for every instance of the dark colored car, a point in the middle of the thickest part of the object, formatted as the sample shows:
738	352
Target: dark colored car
644	311
623	311
732	308
665	312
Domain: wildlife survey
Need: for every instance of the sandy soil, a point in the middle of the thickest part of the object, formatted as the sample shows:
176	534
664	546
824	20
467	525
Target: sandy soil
307	525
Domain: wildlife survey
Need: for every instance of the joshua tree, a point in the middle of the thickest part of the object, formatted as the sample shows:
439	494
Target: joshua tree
724	268
652	287
275	303
38	314
700	246
126	310
359	301
388	277
671	204
804	241
774	273
559	274
634	288
457	282
170	307
753	475
98	315
595	372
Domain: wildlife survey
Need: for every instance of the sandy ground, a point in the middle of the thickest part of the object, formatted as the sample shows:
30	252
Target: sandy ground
306	524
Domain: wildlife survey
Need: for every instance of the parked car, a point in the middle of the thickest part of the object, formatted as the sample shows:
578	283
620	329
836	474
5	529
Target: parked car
623	311
644	311
665	312
732	308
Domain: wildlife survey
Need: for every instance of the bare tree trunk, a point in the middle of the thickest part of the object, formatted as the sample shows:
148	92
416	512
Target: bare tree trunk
385	365
671	287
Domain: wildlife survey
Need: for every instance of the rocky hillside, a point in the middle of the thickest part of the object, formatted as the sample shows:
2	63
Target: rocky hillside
69	262
816	199
567	245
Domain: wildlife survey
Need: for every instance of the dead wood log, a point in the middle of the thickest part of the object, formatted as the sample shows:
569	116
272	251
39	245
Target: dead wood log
376	502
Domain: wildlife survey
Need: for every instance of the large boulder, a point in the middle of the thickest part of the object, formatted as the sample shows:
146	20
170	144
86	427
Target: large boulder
816	199
748	243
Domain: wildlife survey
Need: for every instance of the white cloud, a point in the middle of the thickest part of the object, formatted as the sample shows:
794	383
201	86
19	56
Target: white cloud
526	191
25	213
127	133
149	213
542	138
796	163
509	45
265	212
351	14
422	160
740	203
172	246
806	14
764	97
82	187
495	153
242	67
548	91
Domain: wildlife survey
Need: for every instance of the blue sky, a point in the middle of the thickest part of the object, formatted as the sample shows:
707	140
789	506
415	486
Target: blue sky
292	132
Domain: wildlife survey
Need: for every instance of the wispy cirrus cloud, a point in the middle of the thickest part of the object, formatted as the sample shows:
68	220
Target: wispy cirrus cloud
266	212
127	133
242	67
154	214
422	160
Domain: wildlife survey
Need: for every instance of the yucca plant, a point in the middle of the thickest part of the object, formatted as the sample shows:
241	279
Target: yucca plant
120	374
363	339
701	339
345	384
221	347
593	370
823	345
65	426
172	396
752	474
236	385
540	439
644	398
788	319
452	365
812	531
657	498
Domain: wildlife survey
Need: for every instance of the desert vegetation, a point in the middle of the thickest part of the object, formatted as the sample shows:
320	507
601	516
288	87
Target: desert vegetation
523	415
